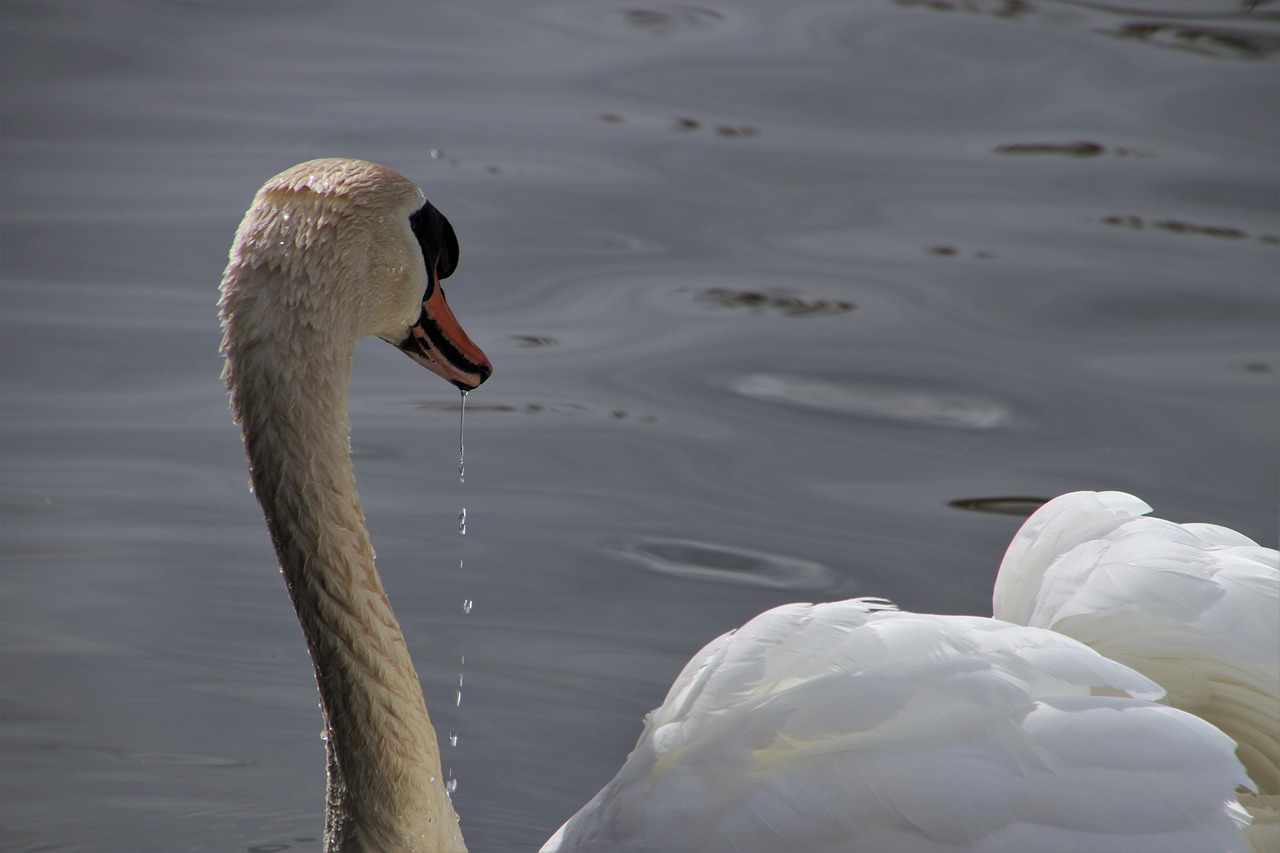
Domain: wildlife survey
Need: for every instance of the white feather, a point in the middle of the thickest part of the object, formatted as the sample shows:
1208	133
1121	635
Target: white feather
852	727
1195	607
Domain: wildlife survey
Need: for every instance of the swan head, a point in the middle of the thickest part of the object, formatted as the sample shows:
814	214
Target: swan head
348	249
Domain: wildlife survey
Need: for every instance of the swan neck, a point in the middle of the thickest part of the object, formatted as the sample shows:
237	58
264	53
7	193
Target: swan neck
386	790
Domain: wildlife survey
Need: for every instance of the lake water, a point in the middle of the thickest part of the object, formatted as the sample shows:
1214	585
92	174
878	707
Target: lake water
768	287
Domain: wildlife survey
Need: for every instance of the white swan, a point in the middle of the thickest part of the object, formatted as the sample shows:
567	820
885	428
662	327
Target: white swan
841	727
845	726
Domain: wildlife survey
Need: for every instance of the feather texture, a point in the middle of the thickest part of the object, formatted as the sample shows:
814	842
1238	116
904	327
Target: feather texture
851	726
1195	607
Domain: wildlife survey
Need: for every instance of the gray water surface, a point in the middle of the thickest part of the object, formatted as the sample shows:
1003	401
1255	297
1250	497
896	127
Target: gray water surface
767	288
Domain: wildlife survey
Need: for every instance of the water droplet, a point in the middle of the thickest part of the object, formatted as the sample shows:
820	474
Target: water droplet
453	738
462	419
467	604
435	154
457	699
451	786
462	521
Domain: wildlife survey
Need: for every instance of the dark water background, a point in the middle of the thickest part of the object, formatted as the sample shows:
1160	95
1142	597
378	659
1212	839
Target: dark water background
767	286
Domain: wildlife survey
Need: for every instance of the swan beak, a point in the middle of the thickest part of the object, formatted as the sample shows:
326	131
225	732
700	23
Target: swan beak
439	344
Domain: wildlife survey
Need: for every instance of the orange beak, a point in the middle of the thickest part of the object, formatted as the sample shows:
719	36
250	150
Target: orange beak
439	344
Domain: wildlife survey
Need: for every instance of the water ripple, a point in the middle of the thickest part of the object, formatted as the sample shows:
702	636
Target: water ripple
657	20
669	19
758	302
704	561
880	400
1008	505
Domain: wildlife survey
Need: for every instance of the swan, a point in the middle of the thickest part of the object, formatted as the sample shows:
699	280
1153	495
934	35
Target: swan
851	726
847	726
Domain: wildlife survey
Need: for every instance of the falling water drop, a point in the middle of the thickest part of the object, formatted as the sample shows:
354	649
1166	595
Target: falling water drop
462	419
451	784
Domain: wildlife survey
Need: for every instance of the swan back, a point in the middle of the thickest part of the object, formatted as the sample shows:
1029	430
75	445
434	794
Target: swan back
853	727
1195	607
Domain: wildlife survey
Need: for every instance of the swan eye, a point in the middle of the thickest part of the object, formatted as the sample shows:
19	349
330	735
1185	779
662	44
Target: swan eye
435	236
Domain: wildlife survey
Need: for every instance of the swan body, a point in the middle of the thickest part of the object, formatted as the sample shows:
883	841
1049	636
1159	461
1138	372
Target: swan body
852	727
845	726
1194	607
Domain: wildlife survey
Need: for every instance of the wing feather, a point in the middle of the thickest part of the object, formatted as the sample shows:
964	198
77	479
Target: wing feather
852	727
1195	607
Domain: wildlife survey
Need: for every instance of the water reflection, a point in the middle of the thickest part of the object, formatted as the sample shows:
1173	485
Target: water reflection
1065	149
1245	37
1016	506
656	20
534	341
705	561
787	304
564	409
880	400
1178	226
994	8
1215	42
668	19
